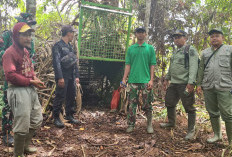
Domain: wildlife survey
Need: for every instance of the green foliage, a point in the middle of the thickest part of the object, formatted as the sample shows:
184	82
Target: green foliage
21	5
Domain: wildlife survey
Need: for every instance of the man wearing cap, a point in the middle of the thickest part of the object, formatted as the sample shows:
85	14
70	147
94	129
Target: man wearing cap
66	76
215	78
21	93
182	75
6	40
140	64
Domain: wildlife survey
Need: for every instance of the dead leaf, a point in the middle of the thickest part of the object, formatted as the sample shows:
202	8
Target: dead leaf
195	146
47	127
38	141
82	129
101	147
118	123
9	149
50	153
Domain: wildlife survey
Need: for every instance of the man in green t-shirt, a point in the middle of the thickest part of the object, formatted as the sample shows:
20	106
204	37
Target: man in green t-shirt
140	64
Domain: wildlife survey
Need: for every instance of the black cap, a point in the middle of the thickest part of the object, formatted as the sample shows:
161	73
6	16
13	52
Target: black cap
67	28
140	29
215	30
179	32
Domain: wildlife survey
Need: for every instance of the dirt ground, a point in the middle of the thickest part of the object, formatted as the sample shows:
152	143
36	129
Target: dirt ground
102	134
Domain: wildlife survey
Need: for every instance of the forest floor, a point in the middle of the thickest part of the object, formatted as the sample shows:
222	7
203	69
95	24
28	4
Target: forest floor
102	134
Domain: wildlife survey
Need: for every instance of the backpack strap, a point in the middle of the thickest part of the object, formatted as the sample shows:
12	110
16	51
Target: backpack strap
186	56
214	52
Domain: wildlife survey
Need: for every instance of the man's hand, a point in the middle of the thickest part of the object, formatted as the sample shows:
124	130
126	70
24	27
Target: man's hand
165	84
199	91
38	84
61	83
190	88
150	85
77	80
123	83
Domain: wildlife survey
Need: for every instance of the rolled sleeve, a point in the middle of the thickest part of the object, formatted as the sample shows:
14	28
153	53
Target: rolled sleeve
153	56
193	65
200	73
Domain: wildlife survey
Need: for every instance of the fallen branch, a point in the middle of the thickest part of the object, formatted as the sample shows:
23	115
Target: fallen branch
100	154
101	144
83	150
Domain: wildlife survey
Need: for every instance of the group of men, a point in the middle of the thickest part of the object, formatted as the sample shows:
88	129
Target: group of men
22	105
212	74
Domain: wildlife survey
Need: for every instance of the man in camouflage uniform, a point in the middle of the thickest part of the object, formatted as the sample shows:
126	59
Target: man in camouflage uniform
182	74
6	42
215	78
140	63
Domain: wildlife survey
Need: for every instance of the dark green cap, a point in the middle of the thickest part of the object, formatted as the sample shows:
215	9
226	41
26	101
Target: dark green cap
25	17
179	32
215	30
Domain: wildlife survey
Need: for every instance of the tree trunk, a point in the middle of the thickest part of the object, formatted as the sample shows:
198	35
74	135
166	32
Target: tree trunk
1	20
147	15
31	7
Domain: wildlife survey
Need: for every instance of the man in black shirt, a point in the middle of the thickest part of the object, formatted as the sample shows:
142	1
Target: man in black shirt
66	76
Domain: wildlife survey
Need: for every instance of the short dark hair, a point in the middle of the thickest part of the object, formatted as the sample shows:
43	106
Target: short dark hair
64	33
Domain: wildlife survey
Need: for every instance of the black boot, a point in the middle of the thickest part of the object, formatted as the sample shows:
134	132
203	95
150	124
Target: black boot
8	141
71	119
57	122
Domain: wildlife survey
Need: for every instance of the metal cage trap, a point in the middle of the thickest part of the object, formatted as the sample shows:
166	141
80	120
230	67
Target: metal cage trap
104	31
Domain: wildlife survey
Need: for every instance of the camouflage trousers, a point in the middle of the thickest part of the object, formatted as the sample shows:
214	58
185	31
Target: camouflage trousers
134	91
7	115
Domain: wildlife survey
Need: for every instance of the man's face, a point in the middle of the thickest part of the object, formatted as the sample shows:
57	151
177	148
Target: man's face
141	35
70	36
179	40
216	39
25	39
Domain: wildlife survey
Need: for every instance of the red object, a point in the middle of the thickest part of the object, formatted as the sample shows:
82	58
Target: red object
115	99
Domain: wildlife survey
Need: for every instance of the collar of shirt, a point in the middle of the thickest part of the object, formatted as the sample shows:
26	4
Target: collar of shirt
143	45
68	45
212	48
180	49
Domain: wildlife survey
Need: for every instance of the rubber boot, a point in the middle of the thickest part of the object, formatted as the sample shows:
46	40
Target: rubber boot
150	129
216	125
19	142
229	132
171	118
130	129
191	126
8	140
57	122
71	119
28	141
